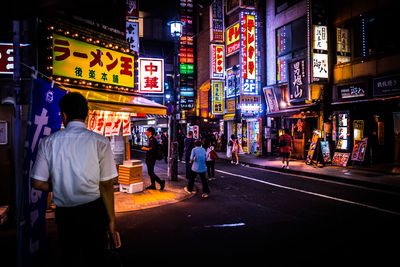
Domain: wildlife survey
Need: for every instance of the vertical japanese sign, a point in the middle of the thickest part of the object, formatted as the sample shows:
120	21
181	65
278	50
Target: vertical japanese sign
217	21
44	120
217	90
320	52
132	35
217	61
230	83
151	75
233	39
84	61
248	51
298	87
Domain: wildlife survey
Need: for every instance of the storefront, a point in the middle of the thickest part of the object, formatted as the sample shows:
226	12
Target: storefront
366	113
103	70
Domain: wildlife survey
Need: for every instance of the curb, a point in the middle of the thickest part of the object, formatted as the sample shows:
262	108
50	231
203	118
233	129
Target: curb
325	176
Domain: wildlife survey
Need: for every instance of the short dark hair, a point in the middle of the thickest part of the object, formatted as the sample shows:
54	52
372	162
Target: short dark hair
233	136
286	130
151	130
74	105
197	143
190	133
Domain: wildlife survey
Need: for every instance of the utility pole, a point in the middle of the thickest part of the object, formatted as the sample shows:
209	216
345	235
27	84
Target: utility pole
176	33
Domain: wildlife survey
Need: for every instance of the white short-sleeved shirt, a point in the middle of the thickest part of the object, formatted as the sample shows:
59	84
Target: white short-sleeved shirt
76	160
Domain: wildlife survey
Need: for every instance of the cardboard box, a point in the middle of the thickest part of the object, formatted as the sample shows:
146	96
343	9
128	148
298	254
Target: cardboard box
132	162
131	188
130	174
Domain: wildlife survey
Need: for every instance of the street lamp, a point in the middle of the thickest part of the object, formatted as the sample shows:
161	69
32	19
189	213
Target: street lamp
176	30
235	70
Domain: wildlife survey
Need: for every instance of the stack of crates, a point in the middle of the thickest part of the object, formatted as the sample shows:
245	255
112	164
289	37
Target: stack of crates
130	176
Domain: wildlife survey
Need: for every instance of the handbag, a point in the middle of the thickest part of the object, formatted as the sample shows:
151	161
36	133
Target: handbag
229	152
111	254
213	155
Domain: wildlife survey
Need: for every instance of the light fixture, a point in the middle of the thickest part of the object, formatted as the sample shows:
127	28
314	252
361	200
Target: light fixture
176	28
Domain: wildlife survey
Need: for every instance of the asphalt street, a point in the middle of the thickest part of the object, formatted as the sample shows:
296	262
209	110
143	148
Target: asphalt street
257	217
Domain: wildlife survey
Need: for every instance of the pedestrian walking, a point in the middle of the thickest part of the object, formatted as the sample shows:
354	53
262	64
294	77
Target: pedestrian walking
181	143
77	166
164	144
210	161
151	157
198	159
285	145
235	150
189	144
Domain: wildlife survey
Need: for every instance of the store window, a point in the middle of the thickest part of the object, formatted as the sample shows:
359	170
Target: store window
291	40
374	34
281	5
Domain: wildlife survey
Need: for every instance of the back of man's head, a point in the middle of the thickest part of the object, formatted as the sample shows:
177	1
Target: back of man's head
190	134
151	130
74	105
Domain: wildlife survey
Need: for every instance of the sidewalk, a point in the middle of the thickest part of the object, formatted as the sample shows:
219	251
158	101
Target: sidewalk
383	176
172	193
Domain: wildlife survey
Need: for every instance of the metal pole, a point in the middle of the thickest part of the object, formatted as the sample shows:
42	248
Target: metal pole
235	117
19	183
174	145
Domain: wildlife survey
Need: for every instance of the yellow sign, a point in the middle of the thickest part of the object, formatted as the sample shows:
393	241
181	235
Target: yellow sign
218	97
233	39
80	60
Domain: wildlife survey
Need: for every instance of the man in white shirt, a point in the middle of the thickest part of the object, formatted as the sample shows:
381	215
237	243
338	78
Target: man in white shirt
77	165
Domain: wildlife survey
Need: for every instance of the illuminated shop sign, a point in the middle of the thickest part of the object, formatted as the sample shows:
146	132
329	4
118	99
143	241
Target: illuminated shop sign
84	61
233	39
352	90
151	75
7	58
320	52
217	88
250	104
298	87
217	61
230	83
186	68
320	65
248	52
320	37
217	21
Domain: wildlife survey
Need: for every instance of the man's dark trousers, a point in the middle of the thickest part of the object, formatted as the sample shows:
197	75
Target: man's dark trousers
150	170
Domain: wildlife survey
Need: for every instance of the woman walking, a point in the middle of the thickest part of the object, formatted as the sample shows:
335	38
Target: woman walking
210	161
198	160
235	150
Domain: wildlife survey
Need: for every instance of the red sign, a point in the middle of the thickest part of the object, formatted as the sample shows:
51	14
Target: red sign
217	61
151	75
232	39
132	8
7	58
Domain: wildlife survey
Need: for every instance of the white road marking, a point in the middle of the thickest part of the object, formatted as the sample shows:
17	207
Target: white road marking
311	193
327	181
225	225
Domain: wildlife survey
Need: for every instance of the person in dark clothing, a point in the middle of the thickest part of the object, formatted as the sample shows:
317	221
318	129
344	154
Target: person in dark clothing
164	142
151	159
189	144
181	143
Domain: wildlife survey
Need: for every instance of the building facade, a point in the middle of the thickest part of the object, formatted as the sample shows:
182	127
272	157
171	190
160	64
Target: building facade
332	80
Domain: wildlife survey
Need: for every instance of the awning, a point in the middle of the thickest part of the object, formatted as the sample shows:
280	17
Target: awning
99	100
205	86
228	117
292	110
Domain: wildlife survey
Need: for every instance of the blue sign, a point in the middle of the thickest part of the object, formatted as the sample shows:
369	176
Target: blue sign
44	120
